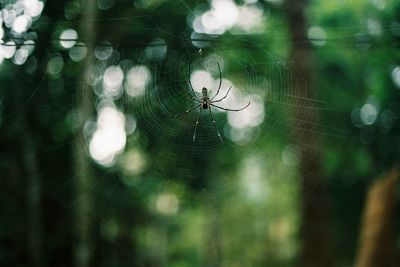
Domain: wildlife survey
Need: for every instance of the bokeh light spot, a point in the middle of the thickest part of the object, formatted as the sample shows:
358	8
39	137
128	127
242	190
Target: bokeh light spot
21	24
137	79
68	38
8	49
109	138
105	4
368	114
317	36
167	203
251	116
103	51
157	49
78	53
21	56
133	162
33	8
396	76
112	81
55	65
200	79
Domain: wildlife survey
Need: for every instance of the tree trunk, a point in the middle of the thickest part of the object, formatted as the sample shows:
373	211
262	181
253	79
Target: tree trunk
81	164
377	242
315	250
33	180
33	200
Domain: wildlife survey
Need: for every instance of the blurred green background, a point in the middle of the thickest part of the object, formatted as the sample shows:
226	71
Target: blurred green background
96	171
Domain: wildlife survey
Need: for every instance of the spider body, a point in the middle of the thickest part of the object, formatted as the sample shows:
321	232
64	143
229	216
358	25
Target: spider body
205	102
204	98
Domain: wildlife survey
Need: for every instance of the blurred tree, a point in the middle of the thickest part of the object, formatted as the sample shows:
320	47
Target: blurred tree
33	179
83	246
314	232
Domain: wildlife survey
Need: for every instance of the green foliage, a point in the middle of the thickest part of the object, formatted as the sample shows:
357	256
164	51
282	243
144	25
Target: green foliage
168	201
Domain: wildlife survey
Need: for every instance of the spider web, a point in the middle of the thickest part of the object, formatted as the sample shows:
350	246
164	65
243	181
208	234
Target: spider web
206	165
219	171
240	172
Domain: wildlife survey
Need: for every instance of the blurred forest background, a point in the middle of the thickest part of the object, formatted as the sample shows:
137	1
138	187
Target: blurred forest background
94	172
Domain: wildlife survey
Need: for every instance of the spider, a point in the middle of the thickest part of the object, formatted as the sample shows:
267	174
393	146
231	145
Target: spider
205	102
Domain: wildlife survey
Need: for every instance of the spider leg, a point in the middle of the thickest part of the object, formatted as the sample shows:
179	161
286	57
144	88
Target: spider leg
215	125
219	100
191	87
196	97
192	98
220	82
185	112
197	123
228	109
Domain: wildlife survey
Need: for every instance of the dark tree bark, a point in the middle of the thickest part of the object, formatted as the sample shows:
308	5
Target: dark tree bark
83	247
377	240
34	230
315	250
34	211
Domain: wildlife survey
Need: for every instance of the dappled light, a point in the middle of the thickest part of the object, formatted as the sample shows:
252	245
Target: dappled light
134	162
21	55
396	76
367	114
156	49
251	116
55	65
317	36
17	16
112	81
137	79
68	38
78	53
109	139
8	50
226	14
251	19
167	203
21	24
200	79
253	182
103	51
